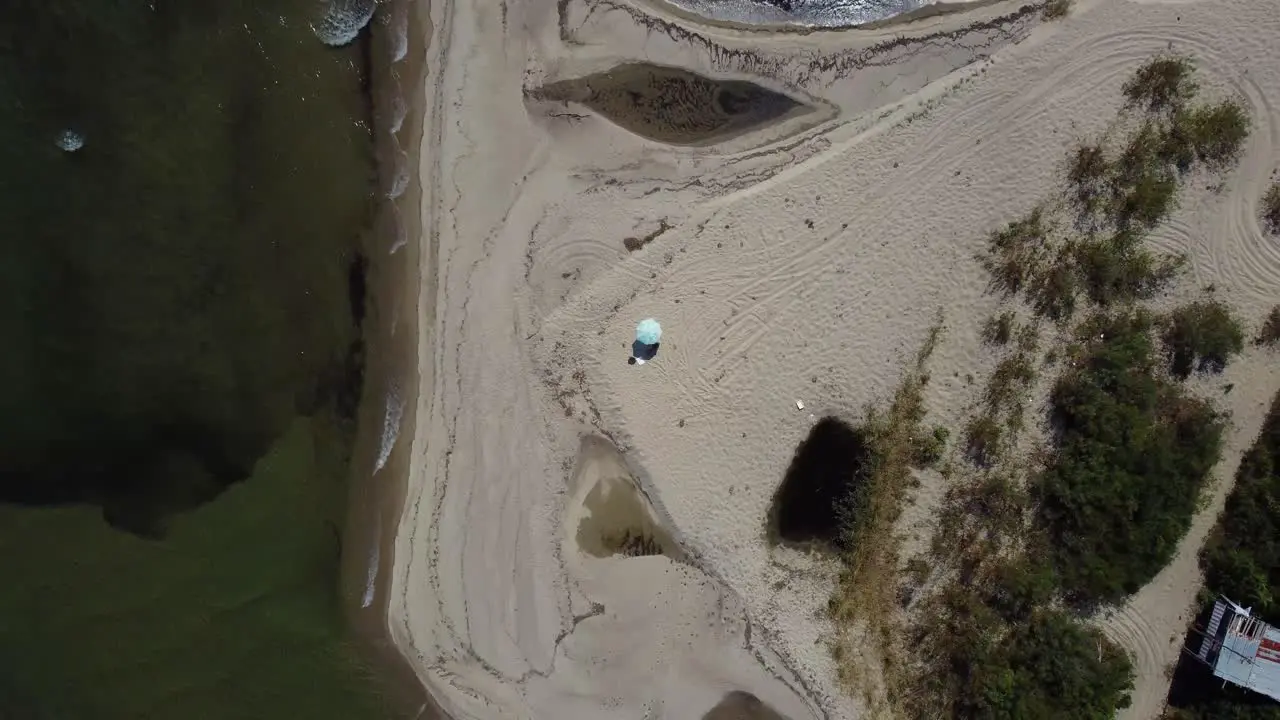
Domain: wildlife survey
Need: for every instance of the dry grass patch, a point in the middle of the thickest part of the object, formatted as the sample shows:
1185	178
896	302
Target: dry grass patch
865	595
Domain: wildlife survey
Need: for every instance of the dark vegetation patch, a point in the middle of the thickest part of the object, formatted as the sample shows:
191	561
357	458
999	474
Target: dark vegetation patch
825	489
1056	9
1117	269
1201	337
1240	560
1164	83
1117	200
1217	132
1132	452
633	244
1001	412
1097	514
998	329
991	644
997	652
1270	210
673	105
1270	332
1242	556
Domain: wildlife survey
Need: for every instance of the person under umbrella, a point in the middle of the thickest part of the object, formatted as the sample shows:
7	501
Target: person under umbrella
648	335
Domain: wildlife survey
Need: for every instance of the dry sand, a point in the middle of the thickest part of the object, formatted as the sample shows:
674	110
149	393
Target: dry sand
802	260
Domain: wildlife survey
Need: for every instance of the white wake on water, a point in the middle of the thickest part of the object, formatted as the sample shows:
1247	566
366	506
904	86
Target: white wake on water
343	20
390	426
375	556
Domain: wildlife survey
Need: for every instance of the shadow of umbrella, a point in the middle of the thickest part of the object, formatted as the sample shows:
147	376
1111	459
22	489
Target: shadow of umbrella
642	353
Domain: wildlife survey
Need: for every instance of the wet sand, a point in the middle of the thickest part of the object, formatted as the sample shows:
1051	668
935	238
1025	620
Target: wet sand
379	468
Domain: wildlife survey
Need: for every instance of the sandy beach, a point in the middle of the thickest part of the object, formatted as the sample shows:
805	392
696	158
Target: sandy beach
584	538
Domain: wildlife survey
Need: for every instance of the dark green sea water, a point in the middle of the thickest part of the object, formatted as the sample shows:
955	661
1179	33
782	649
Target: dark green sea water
180	306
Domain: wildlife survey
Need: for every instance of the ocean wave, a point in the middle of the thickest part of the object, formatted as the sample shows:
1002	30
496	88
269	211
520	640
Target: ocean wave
397	21
400	180
390	426
375	557
399	107
398	231
343	20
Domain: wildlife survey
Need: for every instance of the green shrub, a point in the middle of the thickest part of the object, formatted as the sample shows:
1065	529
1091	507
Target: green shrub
998	329
1052	289
1271	209
982	440
1131	455
1242	556
1164	83
1115	269
1241	560
1217	132
1202	336
1020	587
1051	663
1015	252
999	502
1270	332
1087	173
929	448
1011	376
1056	9
1143	186
1176	147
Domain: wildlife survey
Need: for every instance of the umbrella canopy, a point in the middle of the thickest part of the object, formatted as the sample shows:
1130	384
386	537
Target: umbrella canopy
649	332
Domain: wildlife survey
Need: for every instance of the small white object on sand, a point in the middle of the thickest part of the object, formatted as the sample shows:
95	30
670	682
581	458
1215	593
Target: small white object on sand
799	405
639	361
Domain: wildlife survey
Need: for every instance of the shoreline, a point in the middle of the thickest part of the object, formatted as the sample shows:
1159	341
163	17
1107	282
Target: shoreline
379	475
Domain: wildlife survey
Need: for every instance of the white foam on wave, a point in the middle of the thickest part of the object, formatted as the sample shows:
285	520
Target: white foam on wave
401	233
343	20
399	108
70	141
390	425
375	557
400	182
397	22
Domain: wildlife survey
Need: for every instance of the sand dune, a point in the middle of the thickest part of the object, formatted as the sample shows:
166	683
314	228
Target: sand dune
800	259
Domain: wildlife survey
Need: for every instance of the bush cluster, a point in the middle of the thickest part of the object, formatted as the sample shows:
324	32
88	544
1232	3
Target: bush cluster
1164	83
1056	9
1000	652
1242	556
1119	199
1270	332
1271	209
1132	453
1242	561
1202	337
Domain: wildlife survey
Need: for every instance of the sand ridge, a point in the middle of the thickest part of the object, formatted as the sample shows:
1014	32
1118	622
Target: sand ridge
791	262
